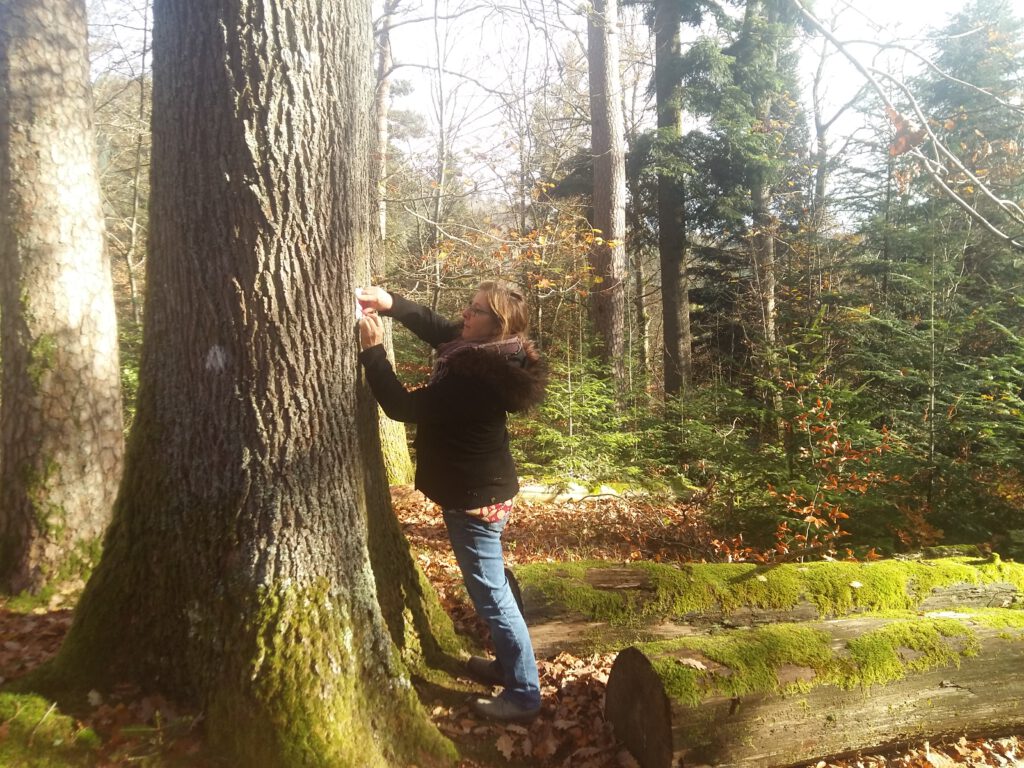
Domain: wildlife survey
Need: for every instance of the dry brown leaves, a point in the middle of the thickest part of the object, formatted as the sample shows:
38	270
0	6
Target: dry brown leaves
1002	752
571	731
29	639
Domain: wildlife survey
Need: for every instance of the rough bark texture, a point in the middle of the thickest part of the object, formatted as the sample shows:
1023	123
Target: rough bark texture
61	441
675	296
236	572
936	684
608	257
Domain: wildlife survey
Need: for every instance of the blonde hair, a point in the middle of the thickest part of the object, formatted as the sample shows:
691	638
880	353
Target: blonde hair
508	305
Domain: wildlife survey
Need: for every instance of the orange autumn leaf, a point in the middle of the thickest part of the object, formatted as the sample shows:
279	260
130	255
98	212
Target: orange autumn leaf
906	137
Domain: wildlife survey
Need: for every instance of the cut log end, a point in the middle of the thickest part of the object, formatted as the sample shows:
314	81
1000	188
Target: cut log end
641	711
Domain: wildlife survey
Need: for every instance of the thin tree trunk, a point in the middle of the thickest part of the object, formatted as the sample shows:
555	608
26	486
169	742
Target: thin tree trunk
61	440
608	256
381	108
393	442
639	308
133	223
675	299
759	18
236	574
441	166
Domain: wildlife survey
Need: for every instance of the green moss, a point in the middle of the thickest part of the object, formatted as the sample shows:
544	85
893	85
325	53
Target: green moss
888	653
42	357
317	697
1000	618
27	602
834	588
40	736
753	658
50	517
76	566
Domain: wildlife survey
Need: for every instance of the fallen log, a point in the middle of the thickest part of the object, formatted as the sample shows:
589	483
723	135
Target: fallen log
781	695
587	606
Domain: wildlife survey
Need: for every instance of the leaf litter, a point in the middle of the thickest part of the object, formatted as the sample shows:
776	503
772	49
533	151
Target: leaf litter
570	732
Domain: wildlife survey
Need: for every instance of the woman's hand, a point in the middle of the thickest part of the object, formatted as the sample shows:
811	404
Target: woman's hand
374	297
371	329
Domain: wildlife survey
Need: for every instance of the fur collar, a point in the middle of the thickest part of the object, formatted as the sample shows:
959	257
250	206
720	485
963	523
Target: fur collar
518	380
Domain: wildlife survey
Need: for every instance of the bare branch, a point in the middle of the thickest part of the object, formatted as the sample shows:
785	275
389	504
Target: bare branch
935	168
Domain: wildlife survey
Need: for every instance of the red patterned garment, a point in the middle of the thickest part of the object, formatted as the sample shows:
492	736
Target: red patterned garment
494	513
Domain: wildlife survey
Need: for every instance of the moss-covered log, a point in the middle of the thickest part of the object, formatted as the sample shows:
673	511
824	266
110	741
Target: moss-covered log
791	693
590	605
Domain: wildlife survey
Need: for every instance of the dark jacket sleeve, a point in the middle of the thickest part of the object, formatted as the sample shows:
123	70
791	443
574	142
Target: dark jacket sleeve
453	398
423	321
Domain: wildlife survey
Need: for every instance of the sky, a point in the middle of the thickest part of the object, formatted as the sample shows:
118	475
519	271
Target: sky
492	48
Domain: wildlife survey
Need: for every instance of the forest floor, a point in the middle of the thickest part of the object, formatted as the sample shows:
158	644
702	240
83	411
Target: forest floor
571	731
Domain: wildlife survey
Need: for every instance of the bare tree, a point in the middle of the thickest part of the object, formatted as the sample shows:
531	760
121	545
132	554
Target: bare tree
942	163
608	256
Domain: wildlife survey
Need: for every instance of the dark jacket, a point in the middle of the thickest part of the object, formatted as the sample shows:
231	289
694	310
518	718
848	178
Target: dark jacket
462	443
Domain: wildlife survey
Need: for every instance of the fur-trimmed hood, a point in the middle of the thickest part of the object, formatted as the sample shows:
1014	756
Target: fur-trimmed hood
519	379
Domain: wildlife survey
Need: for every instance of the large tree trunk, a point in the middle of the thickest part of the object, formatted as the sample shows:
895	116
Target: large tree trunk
61	441
608	255
675	296
236	573
791	694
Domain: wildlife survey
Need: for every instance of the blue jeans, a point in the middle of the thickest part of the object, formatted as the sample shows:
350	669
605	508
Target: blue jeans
477	547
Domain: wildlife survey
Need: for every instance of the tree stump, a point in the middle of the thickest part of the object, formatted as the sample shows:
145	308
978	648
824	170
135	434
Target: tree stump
785	694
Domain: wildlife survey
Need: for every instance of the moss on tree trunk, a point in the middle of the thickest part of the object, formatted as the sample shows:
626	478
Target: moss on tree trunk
236	573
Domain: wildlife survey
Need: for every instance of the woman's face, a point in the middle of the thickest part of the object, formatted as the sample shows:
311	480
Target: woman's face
478	322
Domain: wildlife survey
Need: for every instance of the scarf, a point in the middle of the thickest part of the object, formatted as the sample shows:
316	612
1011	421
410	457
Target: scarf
507	348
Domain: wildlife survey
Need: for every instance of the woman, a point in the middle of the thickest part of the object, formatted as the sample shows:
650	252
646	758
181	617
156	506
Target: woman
485	368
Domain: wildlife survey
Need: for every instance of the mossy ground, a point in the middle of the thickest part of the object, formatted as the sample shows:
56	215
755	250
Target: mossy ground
34	733
834	588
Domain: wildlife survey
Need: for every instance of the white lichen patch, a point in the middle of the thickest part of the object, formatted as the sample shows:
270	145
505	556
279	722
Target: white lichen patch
216	359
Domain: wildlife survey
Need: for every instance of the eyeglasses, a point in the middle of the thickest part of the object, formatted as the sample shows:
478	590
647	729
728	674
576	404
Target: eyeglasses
475	310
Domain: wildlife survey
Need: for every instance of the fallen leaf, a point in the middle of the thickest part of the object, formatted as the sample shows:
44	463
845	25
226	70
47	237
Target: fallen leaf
506	746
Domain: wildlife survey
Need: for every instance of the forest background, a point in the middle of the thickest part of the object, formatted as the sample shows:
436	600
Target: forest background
790	318
843	365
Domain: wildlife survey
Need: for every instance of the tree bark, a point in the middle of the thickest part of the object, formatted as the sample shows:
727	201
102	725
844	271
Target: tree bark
831	704
61	439
236	574
608	254
675	296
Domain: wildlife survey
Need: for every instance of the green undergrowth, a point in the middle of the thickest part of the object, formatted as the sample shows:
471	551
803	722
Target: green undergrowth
756	658
34	733
655	591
